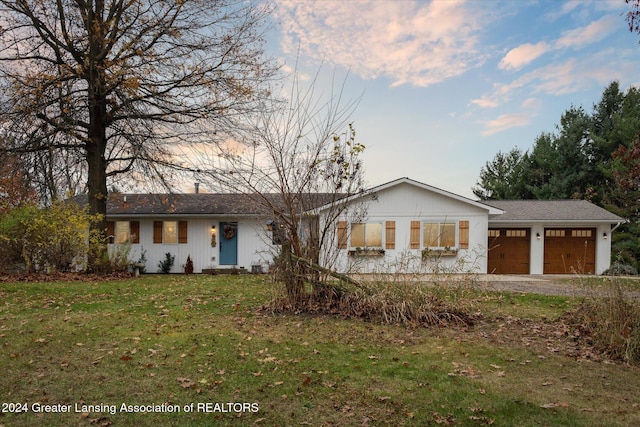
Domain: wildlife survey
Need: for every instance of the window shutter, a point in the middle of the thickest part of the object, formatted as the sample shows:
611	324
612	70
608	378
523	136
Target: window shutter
111	231
134	231
390	235
463	238
182	231
414	237
157	231
342	234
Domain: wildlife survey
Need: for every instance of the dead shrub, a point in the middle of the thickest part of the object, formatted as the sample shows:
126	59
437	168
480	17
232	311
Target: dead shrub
395	302
611	321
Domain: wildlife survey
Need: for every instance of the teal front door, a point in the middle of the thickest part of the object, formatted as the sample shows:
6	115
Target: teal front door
229	243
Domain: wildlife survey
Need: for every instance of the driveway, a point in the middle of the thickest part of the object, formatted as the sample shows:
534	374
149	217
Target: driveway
567	285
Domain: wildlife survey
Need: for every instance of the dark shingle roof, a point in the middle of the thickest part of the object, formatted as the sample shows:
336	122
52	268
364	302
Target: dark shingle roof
197	204
551	210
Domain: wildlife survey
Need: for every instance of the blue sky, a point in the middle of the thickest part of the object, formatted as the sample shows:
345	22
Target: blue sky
447	84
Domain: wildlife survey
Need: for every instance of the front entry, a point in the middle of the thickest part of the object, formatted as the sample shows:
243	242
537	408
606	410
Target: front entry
229	243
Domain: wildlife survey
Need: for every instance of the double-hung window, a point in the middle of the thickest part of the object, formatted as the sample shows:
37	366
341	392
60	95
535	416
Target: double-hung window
120	232
170	232
439	234
366	235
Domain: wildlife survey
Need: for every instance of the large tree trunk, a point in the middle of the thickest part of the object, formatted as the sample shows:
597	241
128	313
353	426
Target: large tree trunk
97	175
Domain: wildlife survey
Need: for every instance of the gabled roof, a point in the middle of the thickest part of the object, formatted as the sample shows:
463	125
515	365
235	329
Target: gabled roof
551	210
491	209
229	204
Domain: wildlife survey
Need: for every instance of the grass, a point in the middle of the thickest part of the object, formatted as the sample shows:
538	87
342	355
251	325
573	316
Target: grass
182	340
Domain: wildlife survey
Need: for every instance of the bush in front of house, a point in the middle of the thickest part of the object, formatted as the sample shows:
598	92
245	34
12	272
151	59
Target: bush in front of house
45	240
165	265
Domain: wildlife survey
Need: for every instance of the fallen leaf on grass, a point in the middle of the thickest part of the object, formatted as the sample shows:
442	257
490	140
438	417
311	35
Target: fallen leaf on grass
185	382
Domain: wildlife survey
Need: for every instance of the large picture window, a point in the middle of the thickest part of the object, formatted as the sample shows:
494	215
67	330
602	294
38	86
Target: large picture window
366	235
439	234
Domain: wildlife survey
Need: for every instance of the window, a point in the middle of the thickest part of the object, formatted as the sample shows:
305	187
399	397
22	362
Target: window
366	235
580	233
120	232
439	234
554	233
516	233
170	232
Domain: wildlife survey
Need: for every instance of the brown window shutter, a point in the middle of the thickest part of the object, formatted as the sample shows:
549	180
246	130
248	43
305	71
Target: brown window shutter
182	231
342	234
157	231
463	238
134	231
390	235
414	237
111	231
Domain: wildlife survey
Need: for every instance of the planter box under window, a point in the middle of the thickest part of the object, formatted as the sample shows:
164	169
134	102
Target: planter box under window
439	253
366	252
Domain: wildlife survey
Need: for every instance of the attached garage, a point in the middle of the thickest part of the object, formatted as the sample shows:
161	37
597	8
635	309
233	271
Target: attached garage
549	237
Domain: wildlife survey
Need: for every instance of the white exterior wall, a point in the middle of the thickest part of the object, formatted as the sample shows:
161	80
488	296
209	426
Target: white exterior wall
536	258
404	203
253	244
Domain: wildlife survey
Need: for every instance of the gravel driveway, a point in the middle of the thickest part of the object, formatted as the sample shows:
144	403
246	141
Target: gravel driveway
546	285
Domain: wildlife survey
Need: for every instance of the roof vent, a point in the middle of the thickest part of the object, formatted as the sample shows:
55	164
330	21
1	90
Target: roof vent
197	187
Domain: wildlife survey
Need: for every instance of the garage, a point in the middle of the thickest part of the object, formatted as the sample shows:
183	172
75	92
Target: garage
509	250
569	250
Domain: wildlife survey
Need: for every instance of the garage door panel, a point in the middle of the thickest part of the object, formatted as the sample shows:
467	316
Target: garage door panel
509	251
571	250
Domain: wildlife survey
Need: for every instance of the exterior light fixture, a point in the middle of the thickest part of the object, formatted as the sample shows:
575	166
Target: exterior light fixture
538	236
604	236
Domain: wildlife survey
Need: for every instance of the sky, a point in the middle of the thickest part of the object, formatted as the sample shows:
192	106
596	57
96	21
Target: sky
446	84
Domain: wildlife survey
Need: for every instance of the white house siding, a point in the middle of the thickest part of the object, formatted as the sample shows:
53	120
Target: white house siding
253	245
404	203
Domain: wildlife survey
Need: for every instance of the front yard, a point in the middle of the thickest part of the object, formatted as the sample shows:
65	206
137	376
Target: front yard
198	350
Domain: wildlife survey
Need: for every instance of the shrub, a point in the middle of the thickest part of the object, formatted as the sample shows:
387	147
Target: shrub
165	265
188	266
611	320
620	269
52	239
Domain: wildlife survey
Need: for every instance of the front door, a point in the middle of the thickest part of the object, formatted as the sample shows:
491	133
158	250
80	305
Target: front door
229	243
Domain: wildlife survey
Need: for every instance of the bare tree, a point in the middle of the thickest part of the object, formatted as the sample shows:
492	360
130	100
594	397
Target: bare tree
128	84
300	155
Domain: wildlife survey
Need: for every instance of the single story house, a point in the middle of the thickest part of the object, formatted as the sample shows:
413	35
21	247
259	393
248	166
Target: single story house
406	222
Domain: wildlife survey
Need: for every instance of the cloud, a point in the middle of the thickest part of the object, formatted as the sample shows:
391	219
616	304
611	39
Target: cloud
413	43
531	106
520	56
505	122
592	33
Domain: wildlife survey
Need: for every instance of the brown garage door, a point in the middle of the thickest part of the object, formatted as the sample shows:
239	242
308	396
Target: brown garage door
569	250
509	250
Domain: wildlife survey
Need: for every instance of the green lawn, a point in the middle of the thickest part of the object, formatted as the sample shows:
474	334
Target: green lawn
201	347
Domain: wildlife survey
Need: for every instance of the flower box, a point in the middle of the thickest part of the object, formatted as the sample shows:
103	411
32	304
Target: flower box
366	252
439	253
